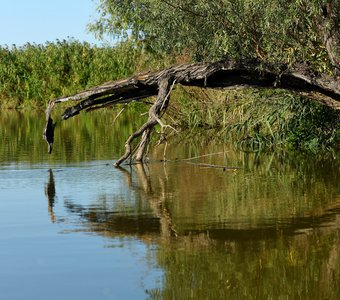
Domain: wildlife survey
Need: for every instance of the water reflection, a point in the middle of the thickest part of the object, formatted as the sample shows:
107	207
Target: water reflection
50	194
268	229
211	252
87	137
160	193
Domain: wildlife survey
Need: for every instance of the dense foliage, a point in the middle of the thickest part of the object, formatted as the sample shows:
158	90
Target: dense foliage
34	73
304	31
158	33
257	119
269	30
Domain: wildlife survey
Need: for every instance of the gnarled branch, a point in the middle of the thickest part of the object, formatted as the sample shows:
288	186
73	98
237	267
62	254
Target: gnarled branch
222	74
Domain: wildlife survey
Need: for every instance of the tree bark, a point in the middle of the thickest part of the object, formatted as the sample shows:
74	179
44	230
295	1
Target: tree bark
155	113
222	74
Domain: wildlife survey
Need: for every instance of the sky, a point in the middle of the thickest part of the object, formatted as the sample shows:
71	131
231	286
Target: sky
39	21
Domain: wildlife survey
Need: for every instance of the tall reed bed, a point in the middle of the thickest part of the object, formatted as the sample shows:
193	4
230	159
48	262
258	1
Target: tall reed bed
257	119
33	74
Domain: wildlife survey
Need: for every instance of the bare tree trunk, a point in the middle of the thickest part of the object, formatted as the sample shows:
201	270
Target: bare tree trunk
155	113
222	74
143	145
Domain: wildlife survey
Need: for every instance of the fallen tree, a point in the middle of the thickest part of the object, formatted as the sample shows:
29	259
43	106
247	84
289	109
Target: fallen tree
222	74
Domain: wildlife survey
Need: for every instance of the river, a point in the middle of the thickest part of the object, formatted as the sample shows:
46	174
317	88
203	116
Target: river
265	226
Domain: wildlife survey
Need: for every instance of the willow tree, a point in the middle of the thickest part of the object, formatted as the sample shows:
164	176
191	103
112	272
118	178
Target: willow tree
269	30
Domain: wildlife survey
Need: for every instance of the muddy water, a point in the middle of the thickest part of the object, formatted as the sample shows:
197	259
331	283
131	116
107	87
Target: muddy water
73	227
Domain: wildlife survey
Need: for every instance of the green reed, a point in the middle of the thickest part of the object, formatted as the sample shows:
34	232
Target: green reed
256	118
33	74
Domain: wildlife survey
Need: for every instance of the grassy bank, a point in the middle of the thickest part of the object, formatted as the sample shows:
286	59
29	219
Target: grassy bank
256	119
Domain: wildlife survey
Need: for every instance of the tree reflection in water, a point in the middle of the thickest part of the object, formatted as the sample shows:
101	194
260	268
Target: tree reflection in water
50	194
214	254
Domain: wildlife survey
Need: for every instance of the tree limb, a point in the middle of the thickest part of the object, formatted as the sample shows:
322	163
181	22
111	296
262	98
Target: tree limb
221	74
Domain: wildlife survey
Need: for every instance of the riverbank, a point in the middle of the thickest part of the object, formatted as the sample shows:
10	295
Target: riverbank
255	119
258	119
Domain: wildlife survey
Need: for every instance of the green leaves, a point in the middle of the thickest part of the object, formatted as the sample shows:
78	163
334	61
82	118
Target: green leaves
269	30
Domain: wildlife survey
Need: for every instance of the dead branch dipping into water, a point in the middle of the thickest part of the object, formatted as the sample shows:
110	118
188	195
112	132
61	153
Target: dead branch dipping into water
222	74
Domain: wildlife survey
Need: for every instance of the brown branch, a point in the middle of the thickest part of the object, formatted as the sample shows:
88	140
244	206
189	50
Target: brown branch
155	112
222	74
204	165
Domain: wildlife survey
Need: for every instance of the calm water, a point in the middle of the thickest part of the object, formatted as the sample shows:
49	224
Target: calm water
74	227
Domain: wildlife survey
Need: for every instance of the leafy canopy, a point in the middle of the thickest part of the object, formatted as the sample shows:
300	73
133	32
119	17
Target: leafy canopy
269	30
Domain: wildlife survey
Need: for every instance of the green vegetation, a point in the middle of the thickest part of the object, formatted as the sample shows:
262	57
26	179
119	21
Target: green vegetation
21	136
267	30
156	34
258	119
32	75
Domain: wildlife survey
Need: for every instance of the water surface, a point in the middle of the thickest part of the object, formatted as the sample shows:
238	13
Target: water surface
74	227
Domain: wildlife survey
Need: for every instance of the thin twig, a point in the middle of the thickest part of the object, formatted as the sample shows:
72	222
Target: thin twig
117	116
168	94
213	166
191	158
164	125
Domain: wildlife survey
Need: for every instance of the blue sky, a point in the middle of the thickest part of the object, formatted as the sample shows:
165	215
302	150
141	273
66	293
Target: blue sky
38	21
